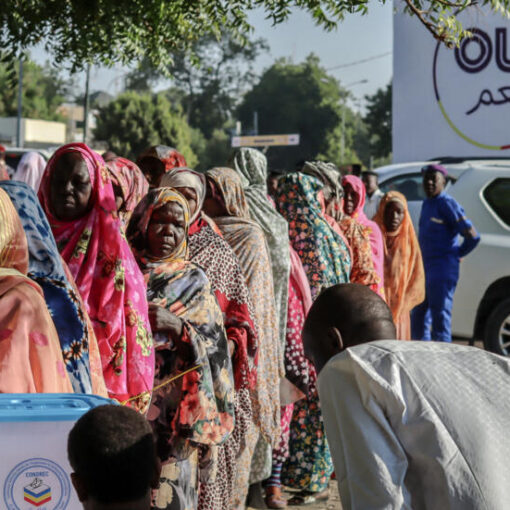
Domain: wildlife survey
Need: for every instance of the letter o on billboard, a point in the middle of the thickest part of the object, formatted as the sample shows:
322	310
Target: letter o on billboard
480	62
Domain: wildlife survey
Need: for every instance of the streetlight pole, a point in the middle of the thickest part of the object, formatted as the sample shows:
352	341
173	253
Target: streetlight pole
86	107
344	104
20	103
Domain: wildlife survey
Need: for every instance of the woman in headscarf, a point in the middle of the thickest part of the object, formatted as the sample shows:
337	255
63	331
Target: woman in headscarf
76	195
211	252
30	356
197	409
46	267
404	276
157	160
354	233
326	261
129	186
354	201
30	170
227	204
251	165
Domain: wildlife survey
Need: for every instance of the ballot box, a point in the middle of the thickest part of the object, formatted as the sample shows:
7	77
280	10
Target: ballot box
34	470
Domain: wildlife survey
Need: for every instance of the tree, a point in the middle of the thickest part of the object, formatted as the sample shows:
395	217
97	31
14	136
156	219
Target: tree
134	121
106	31
300	98
211	78
44	90
378	121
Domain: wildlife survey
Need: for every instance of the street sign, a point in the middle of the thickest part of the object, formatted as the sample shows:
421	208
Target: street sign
264	140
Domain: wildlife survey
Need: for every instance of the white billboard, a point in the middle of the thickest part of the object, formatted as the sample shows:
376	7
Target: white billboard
451	102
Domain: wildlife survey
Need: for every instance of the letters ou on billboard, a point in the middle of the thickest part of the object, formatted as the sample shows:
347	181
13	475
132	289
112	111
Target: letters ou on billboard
451	102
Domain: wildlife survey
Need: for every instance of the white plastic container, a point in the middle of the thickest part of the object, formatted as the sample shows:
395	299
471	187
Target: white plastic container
34	470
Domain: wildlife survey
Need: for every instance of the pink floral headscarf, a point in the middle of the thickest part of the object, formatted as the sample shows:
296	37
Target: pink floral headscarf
109	281
374	232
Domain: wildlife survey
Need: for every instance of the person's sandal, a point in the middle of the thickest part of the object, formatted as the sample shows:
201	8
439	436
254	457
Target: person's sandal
274	498
308	498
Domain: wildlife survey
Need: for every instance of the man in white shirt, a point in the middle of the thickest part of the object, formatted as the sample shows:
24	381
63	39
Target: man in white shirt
411	425
374	194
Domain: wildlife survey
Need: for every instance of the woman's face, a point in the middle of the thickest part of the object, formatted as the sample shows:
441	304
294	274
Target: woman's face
70	187
213	207
351	199
393	216
153	169
191	196
166	230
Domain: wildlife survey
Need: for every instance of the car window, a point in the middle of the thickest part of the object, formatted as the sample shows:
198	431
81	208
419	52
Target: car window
497	194
410	185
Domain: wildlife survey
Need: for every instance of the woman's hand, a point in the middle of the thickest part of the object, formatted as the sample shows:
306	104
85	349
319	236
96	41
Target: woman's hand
164	321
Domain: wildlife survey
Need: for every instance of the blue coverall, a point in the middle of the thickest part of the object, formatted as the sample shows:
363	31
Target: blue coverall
442	220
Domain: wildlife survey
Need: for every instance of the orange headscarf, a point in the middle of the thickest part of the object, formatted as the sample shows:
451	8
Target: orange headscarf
404	276
30	355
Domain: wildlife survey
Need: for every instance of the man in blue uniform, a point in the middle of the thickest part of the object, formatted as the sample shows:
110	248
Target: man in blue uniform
442	220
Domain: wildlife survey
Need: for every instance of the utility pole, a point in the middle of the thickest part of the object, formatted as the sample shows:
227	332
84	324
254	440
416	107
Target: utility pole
19	142
255	123
86	107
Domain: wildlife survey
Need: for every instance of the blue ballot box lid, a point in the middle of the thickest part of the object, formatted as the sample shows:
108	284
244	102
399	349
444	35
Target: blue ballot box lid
16	407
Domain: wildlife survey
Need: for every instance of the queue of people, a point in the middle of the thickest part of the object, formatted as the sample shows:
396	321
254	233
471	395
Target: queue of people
184	295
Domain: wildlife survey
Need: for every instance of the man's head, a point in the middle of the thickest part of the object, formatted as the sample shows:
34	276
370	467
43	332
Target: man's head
111	451
434	179
371	182
356	169
342	316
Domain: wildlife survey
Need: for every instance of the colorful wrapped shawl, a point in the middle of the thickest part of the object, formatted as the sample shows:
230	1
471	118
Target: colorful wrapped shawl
46	267
404	275
109	281
371	228
325	256
197	409
30	356
251	165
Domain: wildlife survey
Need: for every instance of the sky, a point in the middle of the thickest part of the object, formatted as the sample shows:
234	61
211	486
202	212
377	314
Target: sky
356	38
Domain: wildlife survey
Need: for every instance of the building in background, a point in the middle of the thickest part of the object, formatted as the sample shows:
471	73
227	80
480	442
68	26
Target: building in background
37	134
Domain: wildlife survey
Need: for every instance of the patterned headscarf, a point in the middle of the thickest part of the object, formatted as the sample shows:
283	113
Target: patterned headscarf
404	276
64	303
169	156
30	170
140	220
229	184
372	229
329	174
131	181
325	257
251	165
108	279
187	178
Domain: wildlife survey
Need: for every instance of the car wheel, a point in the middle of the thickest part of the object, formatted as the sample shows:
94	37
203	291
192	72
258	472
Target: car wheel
497	329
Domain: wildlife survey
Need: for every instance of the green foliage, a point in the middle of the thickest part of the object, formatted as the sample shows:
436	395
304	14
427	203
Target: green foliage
300	98
211	77
124	31
134	121
43	91
378	121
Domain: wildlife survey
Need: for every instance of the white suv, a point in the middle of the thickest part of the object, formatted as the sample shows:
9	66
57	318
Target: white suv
481	308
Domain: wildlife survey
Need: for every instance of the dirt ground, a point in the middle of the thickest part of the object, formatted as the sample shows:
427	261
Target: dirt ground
333	502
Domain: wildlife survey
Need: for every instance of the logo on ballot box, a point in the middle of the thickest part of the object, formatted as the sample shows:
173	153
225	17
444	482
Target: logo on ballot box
39	484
